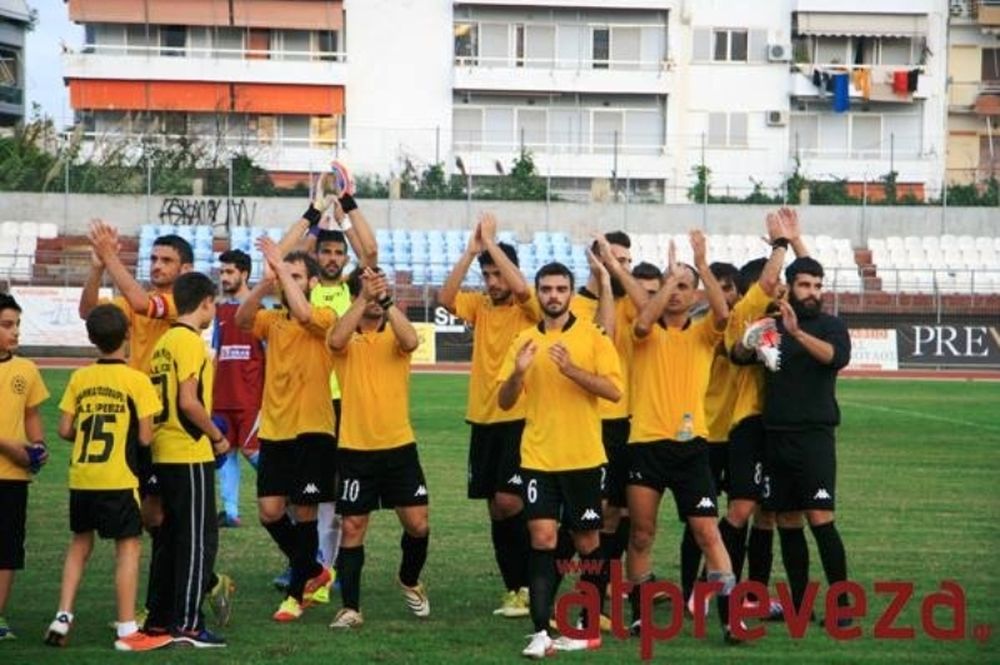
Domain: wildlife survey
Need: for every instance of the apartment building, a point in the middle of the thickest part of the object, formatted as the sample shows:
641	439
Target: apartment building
612	97
14	21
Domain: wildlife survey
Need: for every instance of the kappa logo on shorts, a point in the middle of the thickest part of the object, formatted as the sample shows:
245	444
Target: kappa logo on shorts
515	480
152	481
635	475
310	488
821	493
421	491
589	514
705	503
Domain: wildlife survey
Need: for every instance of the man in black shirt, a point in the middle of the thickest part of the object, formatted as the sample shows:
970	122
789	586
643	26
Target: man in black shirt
800	415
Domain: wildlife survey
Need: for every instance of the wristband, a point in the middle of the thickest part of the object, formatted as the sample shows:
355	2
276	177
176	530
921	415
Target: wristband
313	215
780	242
347	203
386	302
313	231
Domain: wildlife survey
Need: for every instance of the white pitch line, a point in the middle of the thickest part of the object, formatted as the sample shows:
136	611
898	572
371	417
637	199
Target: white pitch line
920	415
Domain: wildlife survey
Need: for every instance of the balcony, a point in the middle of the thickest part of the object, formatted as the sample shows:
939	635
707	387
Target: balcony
548	75
801	82
115	62
988	12
11	95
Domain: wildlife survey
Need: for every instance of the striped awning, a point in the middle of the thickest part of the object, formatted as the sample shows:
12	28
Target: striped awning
841	24
987	105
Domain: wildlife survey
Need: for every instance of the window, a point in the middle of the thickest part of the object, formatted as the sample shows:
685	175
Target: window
258	44
466	43
228	42
804	135
89	37
499	127
727	130
494	44
896	51
519	45
531	127
644	131
467	127
601	51
324	130
729	45
173	39
540	46
296	45
866	136
625	48
139	38
607	131
267	128
295	129
175	124
326	44
991	65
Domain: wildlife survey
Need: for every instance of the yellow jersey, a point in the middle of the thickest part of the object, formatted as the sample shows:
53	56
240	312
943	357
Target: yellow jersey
107	400
748	380
180	355
493	329
338	298
21	388
297	363
375	408
145	328
584	305
670	375
720	395
562	429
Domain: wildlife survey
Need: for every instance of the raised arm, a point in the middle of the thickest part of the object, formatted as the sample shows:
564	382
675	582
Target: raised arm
247	310
298	306
90	296
510	272
449	290
605	314
653	309
356	228
777	232
339	335
790	227
632	288
104	239
713	291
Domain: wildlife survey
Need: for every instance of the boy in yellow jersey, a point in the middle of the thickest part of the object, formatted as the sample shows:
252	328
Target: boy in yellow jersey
560	369
185	443
496	316
107	413
297	450
378	464
22	449
718	405
673	357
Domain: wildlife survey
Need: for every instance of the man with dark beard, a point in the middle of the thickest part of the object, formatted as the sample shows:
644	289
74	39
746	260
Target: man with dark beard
239	358
507	308
800	416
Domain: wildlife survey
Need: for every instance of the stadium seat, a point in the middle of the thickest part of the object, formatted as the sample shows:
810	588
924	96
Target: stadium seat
10	229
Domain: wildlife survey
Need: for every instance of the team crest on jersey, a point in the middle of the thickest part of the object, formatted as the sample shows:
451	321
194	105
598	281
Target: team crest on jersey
19	385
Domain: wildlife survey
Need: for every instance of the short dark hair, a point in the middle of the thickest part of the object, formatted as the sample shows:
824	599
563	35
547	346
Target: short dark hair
694	272
614	238
238	258
179	244
485	259
750	272
554	268
803	264
107	327
190	290
7	302
312	267
646	270
354	280
726	272
330	235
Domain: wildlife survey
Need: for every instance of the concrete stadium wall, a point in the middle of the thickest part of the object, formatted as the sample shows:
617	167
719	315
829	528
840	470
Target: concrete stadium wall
71	212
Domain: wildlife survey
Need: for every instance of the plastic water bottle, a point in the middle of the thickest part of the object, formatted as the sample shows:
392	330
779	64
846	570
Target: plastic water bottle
686	431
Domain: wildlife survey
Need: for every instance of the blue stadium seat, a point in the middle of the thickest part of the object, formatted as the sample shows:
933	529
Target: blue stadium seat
165	229
508	237
438	274
435	238
276	233
186	232
203	231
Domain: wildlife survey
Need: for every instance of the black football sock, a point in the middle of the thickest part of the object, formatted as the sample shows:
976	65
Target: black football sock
690	560
620	542
510	547
349	564
594	569
760	556
735	540
304	564
414	558
542	585
832	554
795	555
563	553
282	532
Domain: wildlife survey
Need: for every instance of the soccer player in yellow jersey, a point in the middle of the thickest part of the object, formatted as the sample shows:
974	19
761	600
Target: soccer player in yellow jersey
560	369
185	443
106	413
297	450
22	449
378	462
673	357
496	316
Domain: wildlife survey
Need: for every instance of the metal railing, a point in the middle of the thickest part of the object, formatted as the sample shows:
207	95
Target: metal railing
563	64
241	53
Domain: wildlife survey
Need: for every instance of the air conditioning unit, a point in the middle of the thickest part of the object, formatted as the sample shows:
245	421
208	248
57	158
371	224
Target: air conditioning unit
779	52
777	118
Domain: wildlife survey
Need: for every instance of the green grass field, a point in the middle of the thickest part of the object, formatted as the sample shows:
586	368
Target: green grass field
917	502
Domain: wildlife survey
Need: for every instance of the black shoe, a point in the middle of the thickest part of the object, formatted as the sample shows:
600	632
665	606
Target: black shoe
200	639
730	639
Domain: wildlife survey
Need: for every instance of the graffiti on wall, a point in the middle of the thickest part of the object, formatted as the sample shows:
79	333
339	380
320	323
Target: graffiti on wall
224	213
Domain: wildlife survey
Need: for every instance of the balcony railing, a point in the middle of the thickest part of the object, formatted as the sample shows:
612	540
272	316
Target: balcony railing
214	53
558	147
242	140
568	64
11	95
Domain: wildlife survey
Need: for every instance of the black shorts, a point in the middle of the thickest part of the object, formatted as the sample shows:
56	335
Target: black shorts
336	420
681	466
373	479
13	517
718	460
149	484
745	470
495	459
614	434
302	469
802	469
111	513
572	497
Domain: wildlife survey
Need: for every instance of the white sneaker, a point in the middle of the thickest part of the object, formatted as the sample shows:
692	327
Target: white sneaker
346	619
416	599
564	643
541	646
58	630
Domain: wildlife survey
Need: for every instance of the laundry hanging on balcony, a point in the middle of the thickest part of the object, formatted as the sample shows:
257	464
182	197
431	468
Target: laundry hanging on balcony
841	92
862	80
